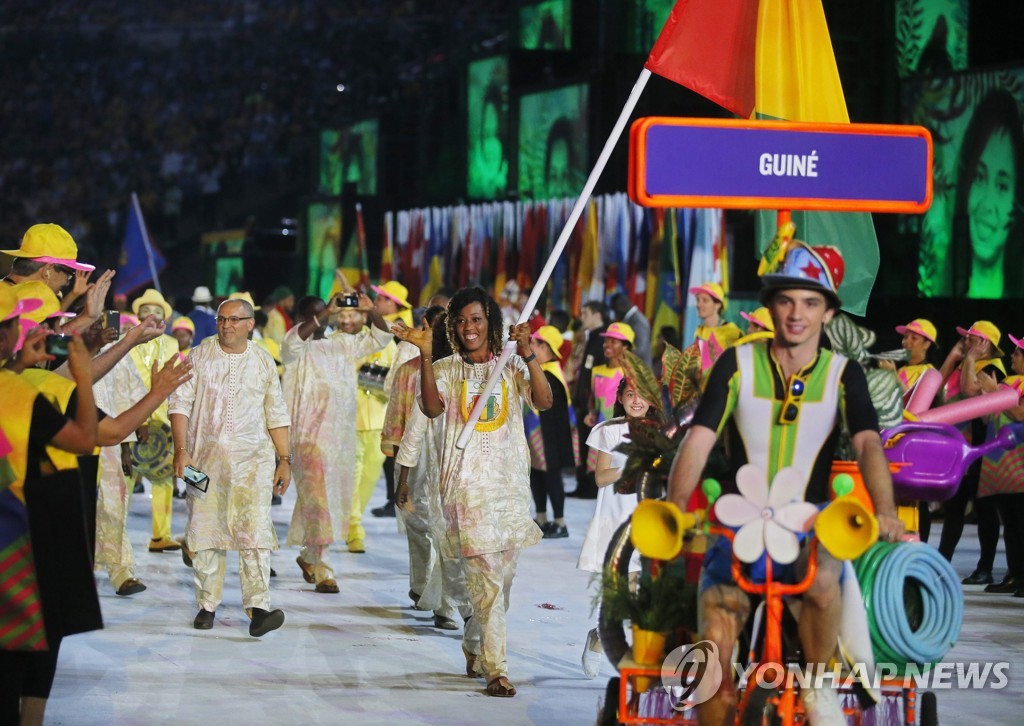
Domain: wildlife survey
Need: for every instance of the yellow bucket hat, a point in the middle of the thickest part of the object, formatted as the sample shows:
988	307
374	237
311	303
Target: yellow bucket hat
50	243
152	297
620	331
761	317
394	290
11	306
244	296
922	327
987	330
550	335
49	305
711	289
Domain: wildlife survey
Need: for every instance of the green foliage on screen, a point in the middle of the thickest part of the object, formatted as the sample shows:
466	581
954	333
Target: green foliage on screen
487	128
323	239
553	143
229	275
972	237
931	36
546	25
644	21
349	156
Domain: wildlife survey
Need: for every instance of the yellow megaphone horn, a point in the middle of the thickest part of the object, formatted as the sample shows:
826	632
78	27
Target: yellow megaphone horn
846	527
658	527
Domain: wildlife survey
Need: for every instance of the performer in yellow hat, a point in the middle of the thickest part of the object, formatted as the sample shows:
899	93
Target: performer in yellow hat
976	358
158	465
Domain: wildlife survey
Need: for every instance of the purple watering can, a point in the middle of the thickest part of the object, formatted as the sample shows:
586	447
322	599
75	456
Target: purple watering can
935	456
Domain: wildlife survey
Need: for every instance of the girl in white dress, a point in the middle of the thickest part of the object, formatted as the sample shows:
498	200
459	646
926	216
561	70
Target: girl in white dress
612	509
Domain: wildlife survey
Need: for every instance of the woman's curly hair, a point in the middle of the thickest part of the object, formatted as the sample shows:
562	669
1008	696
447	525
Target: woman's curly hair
495	324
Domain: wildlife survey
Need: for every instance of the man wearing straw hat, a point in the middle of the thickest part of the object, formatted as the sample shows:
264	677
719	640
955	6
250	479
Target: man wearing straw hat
154	457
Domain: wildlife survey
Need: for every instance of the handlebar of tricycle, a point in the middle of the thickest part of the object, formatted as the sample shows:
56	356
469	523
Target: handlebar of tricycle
776	588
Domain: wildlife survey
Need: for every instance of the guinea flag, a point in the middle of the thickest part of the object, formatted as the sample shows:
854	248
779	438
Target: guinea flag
771	59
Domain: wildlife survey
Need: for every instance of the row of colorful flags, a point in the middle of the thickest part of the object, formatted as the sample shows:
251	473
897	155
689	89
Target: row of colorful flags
652	255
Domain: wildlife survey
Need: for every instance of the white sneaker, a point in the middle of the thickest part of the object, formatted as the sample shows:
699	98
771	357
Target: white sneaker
592	654
822	708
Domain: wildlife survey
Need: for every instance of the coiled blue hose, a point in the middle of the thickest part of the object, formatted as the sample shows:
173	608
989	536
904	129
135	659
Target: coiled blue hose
890	575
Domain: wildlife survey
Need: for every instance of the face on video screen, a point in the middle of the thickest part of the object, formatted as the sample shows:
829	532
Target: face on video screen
971	239
553	143
487	124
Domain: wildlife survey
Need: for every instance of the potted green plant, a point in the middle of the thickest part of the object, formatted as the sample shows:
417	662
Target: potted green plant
654	605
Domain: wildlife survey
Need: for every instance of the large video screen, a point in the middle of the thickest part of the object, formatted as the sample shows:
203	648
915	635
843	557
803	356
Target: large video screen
546	25
553	143
323	239
487	125
349	156
972	237
931	36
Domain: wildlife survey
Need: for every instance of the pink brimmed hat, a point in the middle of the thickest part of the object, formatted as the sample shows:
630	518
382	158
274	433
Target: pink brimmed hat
393	290
11	306
761	317
987	330
38	291
1019	342
50	243
711	289
620	331
922	327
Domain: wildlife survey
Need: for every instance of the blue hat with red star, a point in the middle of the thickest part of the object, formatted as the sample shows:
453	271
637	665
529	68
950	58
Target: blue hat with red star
804	267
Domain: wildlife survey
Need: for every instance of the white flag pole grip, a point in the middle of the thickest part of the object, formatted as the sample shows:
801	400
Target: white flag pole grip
556	252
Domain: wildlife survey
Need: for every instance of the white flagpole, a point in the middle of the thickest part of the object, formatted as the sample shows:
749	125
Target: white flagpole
145	242
556	252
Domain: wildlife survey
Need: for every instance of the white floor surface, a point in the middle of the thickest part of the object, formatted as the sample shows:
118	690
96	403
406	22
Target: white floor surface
365	656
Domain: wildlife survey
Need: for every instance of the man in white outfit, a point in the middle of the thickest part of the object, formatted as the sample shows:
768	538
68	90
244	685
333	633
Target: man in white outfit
320	389
229	422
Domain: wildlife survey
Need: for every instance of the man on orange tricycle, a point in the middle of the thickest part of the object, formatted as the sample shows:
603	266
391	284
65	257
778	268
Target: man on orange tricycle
782	403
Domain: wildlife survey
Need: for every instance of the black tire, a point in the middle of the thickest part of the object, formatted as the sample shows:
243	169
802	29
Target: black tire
758	711
929	709
610	707
612	632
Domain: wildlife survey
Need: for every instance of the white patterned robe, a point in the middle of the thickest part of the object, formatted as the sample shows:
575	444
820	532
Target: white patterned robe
232	401
485	489
115	393
320	391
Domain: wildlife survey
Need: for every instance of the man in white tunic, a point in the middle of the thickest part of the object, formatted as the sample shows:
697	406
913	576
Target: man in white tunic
320	390
117	392
228	422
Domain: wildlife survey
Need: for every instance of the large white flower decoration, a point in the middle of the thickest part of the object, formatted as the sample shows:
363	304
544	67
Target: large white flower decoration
767	518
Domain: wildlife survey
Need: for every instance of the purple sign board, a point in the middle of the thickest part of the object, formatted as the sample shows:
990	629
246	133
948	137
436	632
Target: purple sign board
780	165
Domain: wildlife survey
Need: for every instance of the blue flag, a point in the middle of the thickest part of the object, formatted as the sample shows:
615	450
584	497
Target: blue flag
140	262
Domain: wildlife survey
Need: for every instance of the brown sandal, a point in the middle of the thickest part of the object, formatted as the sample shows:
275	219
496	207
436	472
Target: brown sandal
501	688
307	570
472	664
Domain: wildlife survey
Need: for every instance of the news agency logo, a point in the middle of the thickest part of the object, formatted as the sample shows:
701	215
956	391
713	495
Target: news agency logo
692	674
